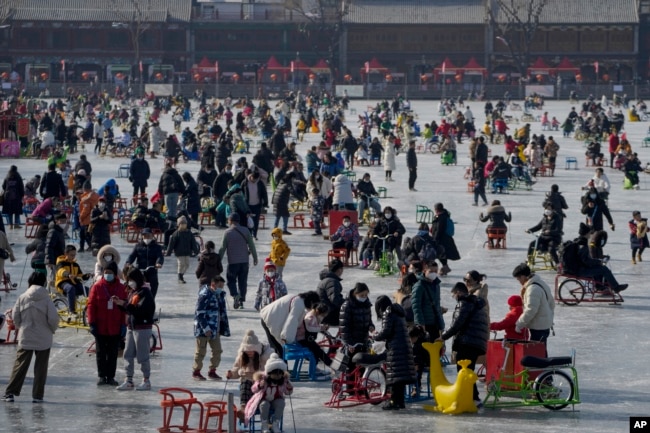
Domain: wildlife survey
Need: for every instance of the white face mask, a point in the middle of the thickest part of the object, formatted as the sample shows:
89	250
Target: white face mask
270	274
362	298
108	258
432	275
346	224
147	241
101	206
592	195
388	215
109	277
548	212
132	284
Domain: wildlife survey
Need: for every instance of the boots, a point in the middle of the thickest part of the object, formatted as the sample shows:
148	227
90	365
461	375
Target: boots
266	427
276	426
180	279
638	258
445	270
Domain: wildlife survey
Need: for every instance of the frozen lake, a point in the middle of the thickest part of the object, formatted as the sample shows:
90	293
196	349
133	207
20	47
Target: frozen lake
612	347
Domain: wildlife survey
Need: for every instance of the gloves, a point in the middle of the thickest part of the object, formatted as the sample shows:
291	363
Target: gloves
93	329
612	226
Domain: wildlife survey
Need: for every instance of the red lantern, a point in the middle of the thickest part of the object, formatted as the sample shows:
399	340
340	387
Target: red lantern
578	77
5	75
44	76
235	77
458	78
424	78
84	75
274	77
159	76
502	78
197	77
389	78
119	76
539	77
312	76
605	77
347	77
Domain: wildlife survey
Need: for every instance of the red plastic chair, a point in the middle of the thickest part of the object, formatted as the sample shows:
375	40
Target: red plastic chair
182	398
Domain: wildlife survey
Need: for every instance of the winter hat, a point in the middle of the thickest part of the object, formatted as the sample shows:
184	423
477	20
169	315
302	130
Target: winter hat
250	342
584	229
181	220
275	363
112	266
268	264
515	301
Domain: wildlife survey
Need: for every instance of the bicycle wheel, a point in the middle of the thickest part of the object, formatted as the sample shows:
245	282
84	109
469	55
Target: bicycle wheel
554	389
61	305
571	291
434	147
374	382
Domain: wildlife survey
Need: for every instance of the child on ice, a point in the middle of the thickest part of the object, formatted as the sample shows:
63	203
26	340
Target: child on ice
510	321
317	206
251	358
269	390
279	250
271	286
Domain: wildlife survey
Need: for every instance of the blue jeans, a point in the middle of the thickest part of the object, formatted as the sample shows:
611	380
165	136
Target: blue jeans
237	275
285	222
171	201
72	291
14	219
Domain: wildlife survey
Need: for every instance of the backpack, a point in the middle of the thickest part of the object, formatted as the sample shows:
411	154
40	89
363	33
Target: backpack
569	257
428	252
450	227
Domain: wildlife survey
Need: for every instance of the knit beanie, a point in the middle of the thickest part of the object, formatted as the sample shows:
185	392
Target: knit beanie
250	342
275	363
268	264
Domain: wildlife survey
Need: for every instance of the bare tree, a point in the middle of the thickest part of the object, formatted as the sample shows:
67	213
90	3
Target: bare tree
134	16
6	9
321	21
515	23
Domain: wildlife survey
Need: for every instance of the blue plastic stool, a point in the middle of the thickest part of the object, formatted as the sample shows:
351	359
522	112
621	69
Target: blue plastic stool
255	419
570	160
299	354
421	396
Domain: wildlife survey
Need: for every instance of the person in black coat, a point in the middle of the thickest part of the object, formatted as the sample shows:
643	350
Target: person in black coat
221	183
470	328
205	179
350	145
263	159
223	153
100	219
149	257
389	226
259	201
498	218
400	365
594	207
139	173
331	292
277	143
14	191
280	201
55	242
557	202
550	237
171	186
481	153
52	184
191	194
412	165
439	231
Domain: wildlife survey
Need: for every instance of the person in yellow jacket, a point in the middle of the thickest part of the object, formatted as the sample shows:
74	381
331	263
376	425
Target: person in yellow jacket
279	251
68	278
87	202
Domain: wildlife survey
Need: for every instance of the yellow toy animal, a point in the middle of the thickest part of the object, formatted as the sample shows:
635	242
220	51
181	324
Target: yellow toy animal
450	398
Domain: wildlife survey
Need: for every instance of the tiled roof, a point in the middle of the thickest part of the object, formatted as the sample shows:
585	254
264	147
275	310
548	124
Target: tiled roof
101	10
416	12
585	11
475	11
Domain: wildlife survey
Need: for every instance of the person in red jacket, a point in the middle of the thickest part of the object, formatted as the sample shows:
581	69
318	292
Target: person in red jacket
613	145
510	320
107	322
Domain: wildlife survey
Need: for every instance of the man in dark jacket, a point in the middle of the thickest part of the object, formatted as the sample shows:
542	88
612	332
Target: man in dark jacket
470	328
139	173
55	242
220	185
264	159
367	196
425	301
594	208
256	197
171	186
550	236
594	268
84	165
331	292
223	153
52	184
205	179
149	256
412	164
558	204
481	154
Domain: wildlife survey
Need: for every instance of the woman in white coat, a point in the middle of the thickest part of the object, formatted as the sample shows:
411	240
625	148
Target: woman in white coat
281	318
389	157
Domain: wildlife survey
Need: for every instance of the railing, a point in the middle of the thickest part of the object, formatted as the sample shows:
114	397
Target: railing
372	91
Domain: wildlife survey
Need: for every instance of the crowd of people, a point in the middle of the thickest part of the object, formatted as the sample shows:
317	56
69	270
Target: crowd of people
65	202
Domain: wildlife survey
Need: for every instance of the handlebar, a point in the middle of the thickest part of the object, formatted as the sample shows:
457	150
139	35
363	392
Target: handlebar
382	238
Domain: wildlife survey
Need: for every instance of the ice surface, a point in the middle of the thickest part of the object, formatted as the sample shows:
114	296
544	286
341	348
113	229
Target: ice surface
611	341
